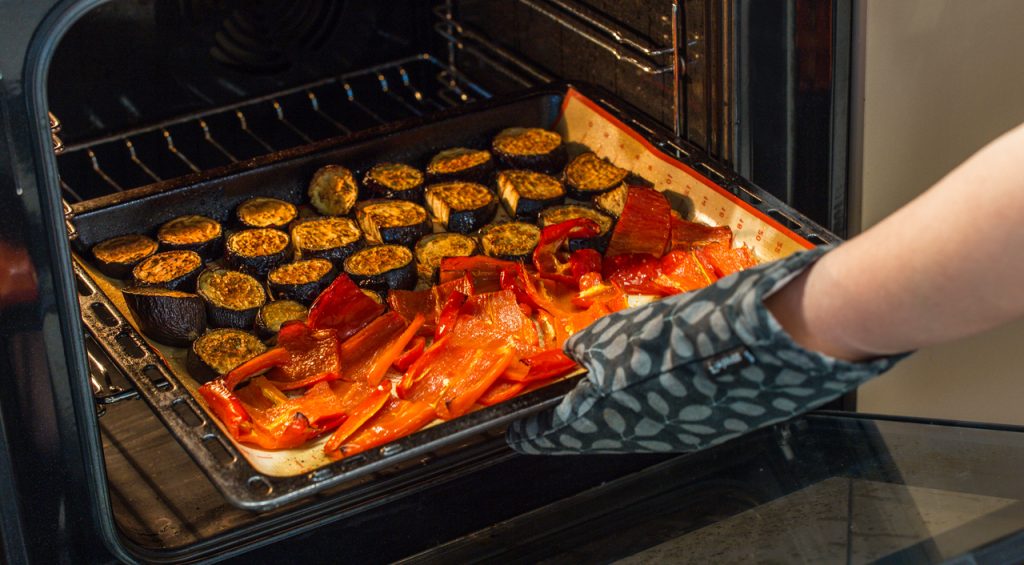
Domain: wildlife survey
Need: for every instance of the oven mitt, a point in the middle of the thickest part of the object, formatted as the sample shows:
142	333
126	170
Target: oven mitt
691	371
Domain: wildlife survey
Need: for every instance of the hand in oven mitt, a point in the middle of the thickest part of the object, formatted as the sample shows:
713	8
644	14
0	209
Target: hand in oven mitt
691	371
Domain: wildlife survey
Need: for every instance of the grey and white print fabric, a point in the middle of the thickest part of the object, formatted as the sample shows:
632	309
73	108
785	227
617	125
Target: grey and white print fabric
690	371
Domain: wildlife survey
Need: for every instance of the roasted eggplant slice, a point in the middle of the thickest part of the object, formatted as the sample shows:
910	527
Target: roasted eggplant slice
589	175
396	222
273	314
436	246
559	214
525	193
302	280
613	201
333	190
333	239
115	257
264	212
175	270
216	352
395	181
382	268
512	241
170	317
257	251
530	148
460	163
376	296
232	298
462	207
203	235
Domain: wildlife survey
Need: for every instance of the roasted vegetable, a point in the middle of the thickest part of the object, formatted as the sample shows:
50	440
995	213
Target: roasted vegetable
232	298
395	180
261	212
170	317
115	257
396	222
333	190
382	267
462	207
525	193
589	175
273	314
559	214
434	247
257	251
302	280
460	163
512	241
192	233
530	148
175	270
333	239
344	308
612	201
218	351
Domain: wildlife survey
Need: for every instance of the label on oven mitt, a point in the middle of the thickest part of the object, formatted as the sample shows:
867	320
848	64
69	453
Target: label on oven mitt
691	371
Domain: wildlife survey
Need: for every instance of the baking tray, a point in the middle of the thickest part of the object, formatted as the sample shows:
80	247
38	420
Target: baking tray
585	115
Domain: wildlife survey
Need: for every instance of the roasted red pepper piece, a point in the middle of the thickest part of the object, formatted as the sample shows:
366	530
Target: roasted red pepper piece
358	416
687	235
494	320
546	365
226	406
485	367
397	419
310	352
724	261
479	268
368	355
411	354
634	273
449	314
343	307
418	368
509	280
682	272
255	366
409	303
325	377
583	261
547	256
643	226
500	392
455	377
593	290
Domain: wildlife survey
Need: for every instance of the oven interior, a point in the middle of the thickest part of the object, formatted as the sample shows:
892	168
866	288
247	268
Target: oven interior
190	85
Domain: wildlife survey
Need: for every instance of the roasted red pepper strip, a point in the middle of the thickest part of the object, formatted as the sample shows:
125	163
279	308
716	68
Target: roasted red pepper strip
259	364
386	357
544	365
500	392
546	256
635	273
411	354
408	303
682	272
724	261
593	290
477	266
449	314
397	419
310	351
308	381
418	368
343	307
509	280
358	416
227	407
686	235
368	355
456	376
486	367
583	261
643	226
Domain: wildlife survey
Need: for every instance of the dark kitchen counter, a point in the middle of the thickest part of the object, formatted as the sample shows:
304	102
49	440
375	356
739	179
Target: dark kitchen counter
828	488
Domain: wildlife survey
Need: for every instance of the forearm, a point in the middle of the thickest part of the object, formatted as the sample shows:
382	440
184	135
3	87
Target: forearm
947	265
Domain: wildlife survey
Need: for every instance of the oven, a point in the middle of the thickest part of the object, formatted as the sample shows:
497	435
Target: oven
107	102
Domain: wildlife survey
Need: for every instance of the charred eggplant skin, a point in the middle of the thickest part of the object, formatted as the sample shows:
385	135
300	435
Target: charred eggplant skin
196	233
394	181
463	207
218	351
461	163
169	317
173	270
530	148
333	190
273	314
382	267
257	251
117	256
305	290
232	298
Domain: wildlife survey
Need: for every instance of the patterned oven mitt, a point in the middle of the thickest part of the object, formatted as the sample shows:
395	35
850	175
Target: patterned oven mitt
691	371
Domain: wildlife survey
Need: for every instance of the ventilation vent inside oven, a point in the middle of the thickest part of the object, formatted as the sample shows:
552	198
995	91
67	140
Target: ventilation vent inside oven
267	37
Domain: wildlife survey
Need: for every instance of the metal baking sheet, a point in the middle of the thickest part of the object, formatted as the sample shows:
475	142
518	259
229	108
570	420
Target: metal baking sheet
587	117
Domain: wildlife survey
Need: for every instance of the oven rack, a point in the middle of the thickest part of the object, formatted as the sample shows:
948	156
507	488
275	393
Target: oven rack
413	86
